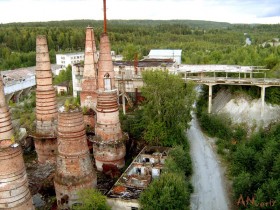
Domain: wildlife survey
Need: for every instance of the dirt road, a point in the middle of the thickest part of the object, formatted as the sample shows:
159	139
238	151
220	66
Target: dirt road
209	188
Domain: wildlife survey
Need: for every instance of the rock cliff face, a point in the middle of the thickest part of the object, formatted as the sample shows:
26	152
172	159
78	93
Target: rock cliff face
243	110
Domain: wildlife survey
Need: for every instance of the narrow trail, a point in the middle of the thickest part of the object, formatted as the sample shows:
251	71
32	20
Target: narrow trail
209	187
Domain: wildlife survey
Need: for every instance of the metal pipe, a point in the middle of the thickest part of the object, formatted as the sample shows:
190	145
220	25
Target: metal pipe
105	19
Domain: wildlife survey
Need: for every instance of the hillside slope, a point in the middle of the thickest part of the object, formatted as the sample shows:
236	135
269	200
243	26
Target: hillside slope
242	110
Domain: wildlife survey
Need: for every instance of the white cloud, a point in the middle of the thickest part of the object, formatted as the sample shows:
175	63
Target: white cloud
233	11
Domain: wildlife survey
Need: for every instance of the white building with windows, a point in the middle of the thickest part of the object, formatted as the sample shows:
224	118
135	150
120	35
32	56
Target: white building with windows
72	58
69	58
175	55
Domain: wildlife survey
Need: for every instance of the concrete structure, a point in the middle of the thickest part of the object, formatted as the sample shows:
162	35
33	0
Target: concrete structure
69	58
62	88
19	82
144	168
227	76
127	76
74	167
77	76
175	55
46	105
210	75
14	191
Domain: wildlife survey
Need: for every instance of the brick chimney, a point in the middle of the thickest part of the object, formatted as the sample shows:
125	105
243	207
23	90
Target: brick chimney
89	82
14	191
109	141
74	169
6	129
46	105
88	94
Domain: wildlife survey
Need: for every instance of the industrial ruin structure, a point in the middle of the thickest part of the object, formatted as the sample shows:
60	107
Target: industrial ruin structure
88	94
14	191
144	168
74	167
109	141
46	105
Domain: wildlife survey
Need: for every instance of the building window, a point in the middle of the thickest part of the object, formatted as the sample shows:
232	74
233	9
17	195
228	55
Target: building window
134	208
138	171
107	82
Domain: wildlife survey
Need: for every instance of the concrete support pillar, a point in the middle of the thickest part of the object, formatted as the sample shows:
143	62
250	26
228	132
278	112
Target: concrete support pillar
263	98
123	103
210	98
17	95
26	91
8	97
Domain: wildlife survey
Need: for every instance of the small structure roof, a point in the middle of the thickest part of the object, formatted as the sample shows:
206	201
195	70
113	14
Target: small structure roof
164	53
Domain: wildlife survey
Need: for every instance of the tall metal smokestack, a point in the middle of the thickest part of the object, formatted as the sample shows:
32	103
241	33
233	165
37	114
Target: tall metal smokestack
105	18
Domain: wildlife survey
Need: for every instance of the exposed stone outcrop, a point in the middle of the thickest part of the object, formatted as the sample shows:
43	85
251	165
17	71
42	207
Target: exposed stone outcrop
46	105
14	191
74	170
243	110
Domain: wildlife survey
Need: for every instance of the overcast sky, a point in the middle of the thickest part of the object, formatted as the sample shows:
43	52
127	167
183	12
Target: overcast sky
232	11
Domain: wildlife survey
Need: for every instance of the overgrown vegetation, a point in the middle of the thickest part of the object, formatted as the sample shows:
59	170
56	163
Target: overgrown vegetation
65	76
172	189
71	104
91	199
254	162
25	112
167	107
162	119
163	116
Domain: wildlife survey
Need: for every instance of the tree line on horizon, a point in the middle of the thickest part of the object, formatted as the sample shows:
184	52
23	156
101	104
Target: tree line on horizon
202	42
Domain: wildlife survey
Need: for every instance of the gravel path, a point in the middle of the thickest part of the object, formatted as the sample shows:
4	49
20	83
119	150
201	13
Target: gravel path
209	187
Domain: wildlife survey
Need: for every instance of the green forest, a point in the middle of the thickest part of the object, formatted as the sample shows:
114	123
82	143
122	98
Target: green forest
202	42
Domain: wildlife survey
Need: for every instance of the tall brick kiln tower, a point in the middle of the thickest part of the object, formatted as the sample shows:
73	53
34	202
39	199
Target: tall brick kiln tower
74	167
88	94
46	105
109	141
14	191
